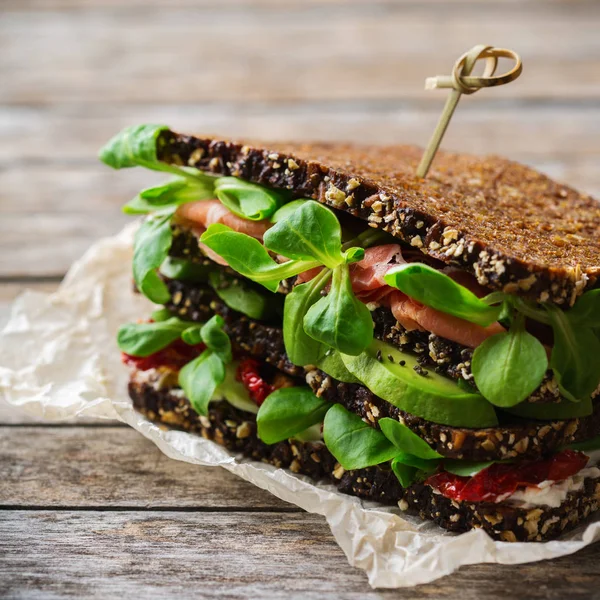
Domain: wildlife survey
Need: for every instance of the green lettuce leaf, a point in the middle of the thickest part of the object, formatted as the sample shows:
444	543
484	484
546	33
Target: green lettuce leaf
144	339
312	232
509	367
250	258
150	248
435	289
249	200
287	412
406	440
353	443
340	320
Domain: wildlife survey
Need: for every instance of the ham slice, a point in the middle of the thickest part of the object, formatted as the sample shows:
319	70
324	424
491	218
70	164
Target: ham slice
204	213
366	276
200	215
307	275
369	286
414	315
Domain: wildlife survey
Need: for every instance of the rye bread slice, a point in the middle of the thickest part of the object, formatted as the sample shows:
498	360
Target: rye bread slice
512	227
236	430
443	355
515	438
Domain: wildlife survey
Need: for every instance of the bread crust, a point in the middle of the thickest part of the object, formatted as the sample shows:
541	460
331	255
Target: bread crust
236	430
514	439
443	355
515	229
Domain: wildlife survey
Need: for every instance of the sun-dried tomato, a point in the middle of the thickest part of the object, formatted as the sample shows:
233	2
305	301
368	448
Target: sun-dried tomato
174	356
504	479
248	372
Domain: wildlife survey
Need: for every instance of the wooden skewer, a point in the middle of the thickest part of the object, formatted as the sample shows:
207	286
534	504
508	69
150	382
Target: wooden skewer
461	82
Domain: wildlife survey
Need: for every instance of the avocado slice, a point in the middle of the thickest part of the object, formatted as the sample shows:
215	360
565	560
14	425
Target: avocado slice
184	270
332	364
234	392
430	397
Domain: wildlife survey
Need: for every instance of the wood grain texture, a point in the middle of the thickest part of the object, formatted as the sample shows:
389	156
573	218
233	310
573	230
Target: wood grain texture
170	554
112	467
282	52
73	73
230	555
57	199
56	5
42	137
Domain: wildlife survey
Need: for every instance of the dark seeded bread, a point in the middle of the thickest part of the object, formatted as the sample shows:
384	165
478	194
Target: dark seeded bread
193	302
236	430
517	438
232	428
512	227
185	245
503	521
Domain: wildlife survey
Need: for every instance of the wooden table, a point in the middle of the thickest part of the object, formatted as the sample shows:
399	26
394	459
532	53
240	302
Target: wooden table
92	509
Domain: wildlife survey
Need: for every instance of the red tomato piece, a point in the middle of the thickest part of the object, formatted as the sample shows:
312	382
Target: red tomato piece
248	373
174	356
502	479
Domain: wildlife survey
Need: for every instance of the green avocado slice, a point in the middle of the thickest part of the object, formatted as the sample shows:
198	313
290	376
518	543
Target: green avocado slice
184	270
332	364
234	391
430	397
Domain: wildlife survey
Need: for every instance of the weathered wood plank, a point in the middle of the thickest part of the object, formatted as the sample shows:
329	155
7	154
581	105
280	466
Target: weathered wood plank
33	136
54	5
47	243
112	467
231	555
160	555
63	188
276	52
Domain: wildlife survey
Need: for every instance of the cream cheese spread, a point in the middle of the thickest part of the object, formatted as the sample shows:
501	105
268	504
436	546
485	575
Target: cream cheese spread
554	493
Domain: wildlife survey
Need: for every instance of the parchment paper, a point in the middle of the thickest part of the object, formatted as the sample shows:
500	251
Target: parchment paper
58	359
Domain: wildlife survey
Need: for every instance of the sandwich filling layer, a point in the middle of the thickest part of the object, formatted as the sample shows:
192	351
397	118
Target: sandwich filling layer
545	482
393	352
507	520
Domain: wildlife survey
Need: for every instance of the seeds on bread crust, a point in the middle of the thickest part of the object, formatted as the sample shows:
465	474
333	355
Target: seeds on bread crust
501	521
524	439
512	227
443	355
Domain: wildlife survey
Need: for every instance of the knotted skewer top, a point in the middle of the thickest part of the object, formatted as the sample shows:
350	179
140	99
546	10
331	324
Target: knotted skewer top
462	82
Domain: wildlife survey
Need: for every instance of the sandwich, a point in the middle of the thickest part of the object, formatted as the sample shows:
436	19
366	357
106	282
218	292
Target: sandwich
431	344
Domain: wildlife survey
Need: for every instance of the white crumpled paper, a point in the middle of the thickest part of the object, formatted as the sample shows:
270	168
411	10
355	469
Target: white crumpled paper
58	359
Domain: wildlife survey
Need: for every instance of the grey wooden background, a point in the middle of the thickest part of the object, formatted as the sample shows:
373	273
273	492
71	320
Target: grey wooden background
93	510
